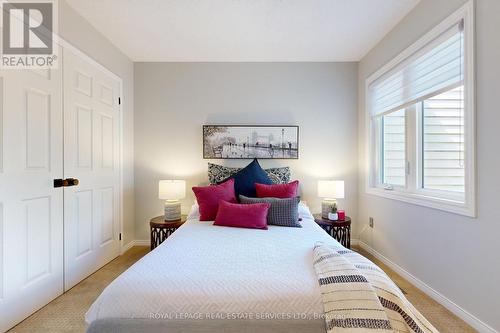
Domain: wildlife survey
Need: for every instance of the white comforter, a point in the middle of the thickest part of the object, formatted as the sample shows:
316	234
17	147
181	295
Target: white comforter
217	271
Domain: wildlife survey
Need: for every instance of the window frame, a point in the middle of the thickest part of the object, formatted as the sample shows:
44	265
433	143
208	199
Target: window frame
413	192
381	166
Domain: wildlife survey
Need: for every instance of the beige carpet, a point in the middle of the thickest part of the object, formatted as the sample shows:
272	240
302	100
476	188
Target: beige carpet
66	313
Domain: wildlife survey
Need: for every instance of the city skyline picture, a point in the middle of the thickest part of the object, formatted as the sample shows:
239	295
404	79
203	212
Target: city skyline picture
257	141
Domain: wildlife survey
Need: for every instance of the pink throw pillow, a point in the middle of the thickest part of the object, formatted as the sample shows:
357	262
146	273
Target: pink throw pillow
208	198
252	216
282	191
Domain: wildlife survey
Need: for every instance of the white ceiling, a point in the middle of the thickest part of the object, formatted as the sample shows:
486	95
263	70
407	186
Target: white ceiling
244	30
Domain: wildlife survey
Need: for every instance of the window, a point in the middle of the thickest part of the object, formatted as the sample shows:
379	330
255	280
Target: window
443	142
421	120
394	150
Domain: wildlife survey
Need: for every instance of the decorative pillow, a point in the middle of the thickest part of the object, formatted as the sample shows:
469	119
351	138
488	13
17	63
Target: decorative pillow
218	173
252	216
283	212
194	212
277	190
279	175
245	179
208	198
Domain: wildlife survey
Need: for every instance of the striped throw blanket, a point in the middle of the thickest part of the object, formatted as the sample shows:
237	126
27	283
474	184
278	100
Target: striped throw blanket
359	297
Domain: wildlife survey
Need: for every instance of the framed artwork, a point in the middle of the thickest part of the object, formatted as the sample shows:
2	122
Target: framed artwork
243	141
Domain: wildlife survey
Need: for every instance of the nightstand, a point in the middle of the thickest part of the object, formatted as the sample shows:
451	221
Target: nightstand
161	229
340	230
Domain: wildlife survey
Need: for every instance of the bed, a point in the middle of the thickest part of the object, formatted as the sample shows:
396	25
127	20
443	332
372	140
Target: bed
206	278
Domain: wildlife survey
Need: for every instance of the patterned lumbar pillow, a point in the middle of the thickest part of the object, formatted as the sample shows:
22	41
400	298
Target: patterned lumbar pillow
218	173
283	212
279	175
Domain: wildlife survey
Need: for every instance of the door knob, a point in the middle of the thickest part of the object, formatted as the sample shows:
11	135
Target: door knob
66	182
72	182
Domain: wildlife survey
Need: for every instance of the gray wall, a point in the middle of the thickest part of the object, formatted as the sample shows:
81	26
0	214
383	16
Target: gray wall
457	256
174	100
77	31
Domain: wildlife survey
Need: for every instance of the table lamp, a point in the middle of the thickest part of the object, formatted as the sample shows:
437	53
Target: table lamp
172	191
330	191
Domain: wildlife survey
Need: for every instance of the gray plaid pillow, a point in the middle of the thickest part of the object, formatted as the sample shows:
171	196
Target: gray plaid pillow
283	212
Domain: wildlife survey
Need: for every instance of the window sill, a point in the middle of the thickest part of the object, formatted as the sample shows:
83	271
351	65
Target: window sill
446	205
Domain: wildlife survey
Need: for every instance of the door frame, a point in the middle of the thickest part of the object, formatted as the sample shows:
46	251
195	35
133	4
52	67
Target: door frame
68	46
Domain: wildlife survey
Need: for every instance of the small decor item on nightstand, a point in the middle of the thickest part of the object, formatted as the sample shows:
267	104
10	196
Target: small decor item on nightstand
330	191
341	214
333	216
172	191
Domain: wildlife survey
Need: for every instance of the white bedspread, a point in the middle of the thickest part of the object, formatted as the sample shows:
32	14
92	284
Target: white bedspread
210	270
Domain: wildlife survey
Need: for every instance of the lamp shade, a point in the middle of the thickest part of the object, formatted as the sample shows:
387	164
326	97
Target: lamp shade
333	189
172	189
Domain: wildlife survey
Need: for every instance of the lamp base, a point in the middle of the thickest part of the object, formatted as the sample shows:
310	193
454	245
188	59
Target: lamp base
326	207
172	210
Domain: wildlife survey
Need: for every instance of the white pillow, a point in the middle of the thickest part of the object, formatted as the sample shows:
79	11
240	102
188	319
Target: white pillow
304	212
194	212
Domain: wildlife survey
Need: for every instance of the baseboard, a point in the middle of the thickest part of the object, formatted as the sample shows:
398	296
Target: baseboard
127	247
137	242
438	297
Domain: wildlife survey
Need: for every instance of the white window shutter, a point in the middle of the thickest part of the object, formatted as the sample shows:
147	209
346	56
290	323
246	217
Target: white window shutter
436	67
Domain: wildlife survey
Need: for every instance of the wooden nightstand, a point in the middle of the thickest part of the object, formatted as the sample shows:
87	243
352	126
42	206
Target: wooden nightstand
340	230
161	229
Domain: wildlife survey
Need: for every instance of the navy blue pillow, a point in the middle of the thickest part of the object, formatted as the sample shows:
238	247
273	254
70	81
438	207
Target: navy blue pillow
245	179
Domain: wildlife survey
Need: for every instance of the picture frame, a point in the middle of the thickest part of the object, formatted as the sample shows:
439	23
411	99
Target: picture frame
250	141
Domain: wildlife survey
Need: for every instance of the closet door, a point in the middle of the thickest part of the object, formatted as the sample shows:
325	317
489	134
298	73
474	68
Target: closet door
91	155
31	209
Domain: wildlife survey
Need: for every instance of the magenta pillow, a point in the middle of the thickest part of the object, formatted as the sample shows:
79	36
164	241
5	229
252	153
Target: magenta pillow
208	198
252	216
282	191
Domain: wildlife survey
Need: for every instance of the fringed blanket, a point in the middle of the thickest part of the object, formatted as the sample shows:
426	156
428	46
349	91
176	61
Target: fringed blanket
359	297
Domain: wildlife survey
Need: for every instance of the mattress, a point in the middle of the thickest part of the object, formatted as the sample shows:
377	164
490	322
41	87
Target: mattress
207	276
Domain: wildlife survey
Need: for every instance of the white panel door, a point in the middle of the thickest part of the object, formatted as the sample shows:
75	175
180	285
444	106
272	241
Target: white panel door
31	209
91	155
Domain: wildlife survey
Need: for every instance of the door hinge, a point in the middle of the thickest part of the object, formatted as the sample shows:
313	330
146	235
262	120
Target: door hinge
119	101
120	236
